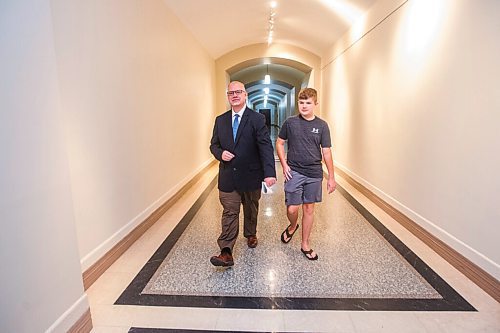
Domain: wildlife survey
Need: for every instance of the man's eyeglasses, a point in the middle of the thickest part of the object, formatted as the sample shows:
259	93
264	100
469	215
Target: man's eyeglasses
235	92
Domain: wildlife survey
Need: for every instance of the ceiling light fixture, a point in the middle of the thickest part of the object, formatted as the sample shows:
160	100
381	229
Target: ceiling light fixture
267	77
270	27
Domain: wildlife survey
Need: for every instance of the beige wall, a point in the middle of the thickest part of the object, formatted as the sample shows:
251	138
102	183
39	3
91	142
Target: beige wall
414	107
41	276
138	93
107	112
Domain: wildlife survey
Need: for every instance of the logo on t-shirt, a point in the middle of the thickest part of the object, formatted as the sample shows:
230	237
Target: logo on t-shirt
315	130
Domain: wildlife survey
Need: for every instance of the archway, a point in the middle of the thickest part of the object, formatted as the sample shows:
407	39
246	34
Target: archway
291	69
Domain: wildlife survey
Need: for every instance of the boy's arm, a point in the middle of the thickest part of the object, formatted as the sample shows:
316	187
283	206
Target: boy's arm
327	157
280	150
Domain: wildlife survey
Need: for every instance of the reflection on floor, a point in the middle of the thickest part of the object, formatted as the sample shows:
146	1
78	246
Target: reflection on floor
355	260
358	269
363	266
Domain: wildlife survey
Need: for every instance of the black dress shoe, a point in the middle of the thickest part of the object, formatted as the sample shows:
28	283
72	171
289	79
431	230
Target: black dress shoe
224	259
252	241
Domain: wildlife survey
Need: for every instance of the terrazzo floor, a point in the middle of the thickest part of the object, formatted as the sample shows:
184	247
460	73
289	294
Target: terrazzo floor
370	276
355	261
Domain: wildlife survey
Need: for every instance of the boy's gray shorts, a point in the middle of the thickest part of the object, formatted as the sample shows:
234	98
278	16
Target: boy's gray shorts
301	189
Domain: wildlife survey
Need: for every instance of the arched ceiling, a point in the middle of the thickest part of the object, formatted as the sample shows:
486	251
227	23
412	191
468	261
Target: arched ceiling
283	79
278	90
224	25
227	27
277	72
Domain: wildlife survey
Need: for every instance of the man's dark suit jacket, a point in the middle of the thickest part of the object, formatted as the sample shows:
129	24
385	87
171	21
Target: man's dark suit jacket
253	150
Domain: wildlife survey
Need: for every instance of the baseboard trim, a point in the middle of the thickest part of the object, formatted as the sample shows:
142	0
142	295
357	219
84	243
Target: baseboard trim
76	318
91	274
83	325
475	273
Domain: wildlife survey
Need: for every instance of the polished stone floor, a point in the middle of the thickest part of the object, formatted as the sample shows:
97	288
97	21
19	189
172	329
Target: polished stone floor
372	276
354	260
358	269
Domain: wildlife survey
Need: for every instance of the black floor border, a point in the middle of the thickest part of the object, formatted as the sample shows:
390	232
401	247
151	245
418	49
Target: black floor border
175	330
451	300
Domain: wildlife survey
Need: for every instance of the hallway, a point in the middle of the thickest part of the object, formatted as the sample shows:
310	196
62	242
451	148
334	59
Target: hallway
259	273
107	108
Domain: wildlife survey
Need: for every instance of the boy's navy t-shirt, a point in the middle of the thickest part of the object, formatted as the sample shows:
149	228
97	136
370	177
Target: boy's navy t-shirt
305	138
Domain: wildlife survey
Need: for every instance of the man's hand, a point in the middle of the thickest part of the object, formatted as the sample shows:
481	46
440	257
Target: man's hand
331	185
270	181
227	156
287	172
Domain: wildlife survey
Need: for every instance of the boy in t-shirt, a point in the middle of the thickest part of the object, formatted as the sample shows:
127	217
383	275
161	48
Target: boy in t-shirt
309	141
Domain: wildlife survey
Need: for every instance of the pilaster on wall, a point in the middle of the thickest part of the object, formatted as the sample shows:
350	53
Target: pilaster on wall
38	240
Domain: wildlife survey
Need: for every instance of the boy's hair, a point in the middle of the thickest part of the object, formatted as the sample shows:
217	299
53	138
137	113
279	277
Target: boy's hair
309	93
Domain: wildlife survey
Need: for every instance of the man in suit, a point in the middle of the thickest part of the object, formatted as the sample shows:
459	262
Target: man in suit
241	143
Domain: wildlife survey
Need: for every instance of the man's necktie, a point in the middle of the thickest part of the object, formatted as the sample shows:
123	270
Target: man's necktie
236	123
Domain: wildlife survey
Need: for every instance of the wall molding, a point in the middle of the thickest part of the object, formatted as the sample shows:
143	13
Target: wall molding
76	319
92	273
83	325
475	273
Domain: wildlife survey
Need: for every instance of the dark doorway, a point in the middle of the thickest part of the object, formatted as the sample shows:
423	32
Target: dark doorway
267	114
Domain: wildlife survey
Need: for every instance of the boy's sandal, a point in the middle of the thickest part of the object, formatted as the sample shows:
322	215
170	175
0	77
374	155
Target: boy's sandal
288	235
308	254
